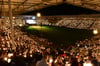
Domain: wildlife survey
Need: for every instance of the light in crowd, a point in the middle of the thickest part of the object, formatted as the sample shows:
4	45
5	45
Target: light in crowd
4	48
9	60
38	14
20	54
10	54
67	64
56	61
87	64
25	56
13	17
31	55
78	45
50	60
62	58
5	58
95	31
20	25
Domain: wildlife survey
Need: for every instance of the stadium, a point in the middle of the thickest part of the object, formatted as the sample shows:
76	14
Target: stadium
49	33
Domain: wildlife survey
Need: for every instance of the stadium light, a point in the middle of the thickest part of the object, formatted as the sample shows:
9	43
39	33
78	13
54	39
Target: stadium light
95	31
38	14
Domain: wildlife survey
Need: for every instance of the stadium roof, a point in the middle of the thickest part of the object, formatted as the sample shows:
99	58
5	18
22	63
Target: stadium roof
63	9
23	6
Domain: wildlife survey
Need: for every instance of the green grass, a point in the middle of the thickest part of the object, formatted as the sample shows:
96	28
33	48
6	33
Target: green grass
59	35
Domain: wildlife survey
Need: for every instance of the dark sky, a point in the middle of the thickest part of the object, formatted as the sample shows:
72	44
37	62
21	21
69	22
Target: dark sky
63	9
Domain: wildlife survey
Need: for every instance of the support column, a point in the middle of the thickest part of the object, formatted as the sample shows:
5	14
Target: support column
11	23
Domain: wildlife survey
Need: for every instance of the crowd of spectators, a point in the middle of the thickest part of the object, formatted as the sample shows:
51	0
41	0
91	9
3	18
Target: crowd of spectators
28	50
81	23
72	22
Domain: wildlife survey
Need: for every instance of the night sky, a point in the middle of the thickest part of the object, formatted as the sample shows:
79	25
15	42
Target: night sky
63	9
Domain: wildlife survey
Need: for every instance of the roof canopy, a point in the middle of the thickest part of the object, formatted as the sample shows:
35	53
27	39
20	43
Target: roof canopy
23	6
64	9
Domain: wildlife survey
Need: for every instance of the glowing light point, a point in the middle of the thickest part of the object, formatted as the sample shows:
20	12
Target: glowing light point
95	31
9	60
38	14
20	25
87	64
10	54
51	60
30	55
5	58
25	56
